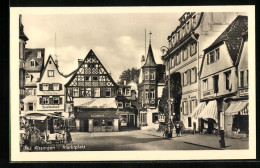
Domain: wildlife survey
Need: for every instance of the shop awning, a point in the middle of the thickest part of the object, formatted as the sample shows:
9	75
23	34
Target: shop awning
36	117
238	107
210	111
198	110
95	102
30	99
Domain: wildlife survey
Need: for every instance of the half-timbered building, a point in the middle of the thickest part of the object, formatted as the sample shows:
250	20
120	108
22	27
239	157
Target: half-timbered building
92	93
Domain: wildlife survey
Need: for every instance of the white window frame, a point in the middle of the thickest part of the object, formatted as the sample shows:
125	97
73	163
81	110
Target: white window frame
45	100
147	94
32	63
205	85
50	73
29	106
56	86
127	104
152	76
96	92
127	91
185	107
152	91
120	91
45	86
193	75
39	54
88	92
146	75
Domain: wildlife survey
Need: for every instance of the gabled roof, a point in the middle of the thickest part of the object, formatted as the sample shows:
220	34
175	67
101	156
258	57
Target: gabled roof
149	62
31	54
232	36
88	55
46	64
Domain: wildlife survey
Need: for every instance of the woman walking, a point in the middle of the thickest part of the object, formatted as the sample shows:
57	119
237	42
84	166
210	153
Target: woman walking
178	129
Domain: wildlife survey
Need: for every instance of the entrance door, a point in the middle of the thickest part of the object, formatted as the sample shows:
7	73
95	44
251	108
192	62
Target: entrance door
131	120
85	125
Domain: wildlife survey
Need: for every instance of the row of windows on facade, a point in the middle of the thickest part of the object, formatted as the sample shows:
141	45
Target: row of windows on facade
121	104
82	78
149	94
45	100
243	81
126	93
183	31
50	87
189	76
184	54
88	92
149	75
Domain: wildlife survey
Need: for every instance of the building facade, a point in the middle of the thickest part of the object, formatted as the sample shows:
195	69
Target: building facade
34	63
22	42
92	92
127	104
149	91
184	56
51	90
219	79
237	113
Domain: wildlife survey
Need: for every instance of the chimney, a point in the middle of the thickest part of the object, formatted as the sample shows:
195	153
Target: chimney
56	62
80	61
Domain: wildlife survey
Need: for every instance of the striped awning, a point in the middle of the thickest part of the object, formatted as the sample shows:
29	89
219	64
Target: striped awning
238	107
210	111
198	109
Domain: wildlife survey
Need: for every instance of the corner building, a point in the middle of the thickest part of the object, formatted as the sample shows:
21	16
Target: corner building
183	59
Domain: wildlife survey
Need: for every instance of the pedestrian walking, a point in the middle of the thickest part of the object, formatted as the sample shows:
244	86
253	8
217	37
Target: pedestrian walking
194	127
178	129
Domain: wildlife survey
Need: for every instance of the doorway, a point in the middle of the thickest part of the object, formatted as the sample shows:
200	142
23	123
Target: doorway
131	120
85	125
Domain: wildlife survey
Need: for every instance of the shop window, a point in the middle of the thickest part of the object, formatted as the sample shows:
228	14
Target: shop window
50	73
215	82
45	86
128	92
96	123
96	92
189	121
228	82
108	92
240	124
75	92
30	105
109	123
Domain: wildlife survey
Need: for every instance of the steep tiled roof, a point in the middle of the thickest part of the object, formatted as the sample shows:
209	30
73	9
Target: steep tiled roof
232	36
31	54
150	62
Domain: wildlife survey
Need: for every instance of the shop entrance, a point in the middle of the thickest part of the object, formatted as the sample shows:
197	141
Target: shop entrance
85	125
131	120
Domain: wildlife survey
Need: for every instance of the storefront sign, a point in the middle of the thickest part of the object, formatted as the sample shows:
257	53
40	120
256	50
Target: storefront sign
50	106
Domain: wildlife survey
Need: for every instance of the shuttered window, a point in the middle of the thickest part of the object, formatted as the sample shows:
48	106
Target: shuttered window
50	87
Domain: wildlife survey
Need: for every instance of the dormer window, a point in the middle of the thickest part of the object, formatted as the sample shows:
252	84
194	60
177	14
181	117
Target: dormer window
49	62
32	63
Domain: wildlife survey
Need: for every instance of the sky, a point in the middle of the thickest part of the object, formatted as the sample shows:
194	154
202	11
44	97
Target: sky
118	40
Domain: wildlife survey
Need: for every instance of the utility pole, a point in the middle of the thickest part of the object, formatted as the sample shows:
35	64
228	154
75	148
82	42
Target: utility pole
169	105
